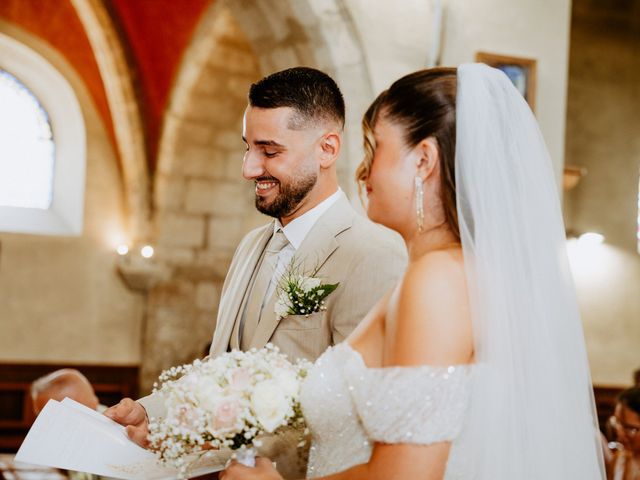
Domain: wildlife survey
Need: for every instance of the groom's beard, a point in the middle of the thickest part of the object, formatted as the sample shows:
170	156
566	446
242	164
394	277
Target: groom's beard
289	196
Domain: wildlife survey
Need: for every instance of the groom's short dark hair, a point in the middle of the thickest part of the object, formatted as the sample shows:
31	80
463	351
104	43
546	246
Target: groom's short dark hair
313	94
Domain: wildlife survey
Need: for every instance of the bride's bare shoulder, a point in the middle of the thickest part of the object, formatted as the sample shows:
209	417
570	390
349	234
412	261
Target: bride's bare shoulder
450	259
433	317
437	272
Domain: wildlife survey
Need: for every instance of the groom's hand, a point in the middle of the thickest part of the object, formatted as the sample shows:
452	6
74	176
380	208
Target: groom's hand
134	417
264	470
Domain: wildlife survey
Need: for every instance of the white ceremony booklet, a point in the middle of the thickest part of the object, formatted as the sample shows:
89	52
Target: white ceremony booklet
70	436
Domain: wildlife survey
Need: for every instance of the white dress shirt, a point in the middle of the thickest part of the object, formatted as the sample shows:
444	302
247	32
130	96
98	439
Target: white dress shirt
296	231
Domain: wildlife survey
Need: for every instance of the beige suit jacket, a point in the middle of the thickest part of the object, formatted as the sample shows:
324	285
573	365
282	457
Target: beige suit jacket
366	259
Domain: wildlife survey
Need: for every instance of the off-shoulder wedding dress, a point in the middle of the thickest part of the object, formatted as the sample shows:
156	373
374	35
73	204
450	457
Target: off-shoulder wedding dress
348	407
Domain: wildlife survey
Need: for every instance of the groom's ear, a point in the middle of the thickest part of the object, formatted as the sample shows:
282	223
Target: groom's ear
428	160
329	149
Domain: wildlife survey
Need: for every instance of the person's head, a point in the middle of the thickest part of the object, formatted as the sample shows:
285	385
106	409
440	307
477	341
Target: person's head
292	129
60	384
409	132
626	419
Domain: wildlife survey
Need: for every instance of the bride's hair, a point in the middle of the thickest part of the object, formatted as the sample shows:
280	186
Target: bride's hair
424	105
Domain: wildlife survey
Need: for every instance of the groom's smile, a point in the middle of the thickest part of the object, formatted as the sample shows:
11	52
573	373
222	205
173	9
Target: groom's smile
265	187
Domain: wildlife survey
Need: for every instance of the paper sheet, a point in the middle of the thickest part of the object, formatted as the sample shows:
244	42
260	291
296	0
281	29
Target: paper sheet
70	436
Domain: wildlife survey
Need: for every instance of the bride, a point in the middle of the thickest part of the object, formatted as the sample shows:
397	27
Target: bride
474	367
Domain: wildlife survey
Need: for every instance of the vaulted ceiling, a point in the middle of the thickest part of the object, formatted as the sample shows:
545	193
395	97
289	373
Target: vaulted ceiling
154	34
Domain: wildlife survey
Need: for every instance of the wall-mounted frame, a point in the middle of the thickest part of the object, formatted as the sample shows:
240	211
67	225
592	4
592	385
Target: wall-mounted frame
521	72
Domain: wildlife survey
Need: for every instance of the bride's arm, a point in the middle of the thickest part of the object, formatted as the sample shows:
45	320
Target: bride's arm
388	462
433	328
400	462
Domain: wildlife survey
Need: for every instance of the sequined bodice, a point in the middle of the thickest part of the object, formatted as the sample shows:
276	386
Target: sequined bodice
348	407
339	440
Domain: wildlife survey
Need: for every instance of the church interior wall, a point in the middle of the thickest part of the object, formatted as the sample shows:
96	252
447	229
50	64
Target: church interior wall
603	121
527	28
61	298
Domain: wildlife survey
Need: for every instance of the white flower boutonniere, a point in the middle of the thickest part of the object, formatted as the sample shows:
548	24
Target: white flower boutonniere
300	294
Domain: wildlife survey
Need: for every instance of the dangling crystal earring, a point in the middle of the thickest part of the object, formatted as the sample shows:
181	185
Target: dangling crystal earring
419	196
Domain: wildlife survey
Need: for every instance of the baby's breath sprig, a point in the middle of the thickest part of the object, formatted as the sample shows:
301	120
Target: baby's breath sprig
301	294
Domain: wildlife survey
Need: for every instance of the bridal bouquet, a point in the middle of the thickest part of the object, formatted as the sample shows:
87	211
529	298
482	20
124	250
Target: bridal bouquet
226	402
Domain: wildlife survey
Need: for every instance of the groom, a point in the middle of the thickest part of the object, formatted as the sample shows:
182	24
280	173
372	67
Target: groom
293	133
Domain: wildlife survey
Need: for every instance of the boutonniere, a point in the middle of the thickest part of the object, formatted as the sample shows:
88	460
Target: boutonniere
301	294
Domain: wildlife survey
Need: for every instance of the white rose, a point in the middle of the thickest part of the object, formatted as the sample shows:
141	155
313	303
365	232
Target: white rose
207	394
309	283
288	382
269	404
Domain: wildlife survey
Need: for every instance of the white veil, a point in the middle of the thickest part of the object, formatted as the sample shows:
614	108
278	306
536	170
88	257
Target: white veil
532	412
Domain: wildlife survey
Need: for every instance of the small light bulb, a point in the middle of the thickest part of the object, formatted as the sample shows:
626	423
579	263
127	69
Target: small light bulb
122	249
591	238
146	251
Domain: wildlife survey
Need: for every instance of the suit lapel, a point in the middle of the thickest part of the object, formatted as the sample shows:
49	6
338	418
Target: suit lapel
231	308
314	251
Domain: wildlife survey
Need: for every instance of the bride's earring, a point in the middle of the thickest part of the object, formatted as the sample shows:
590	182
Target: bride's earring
419	197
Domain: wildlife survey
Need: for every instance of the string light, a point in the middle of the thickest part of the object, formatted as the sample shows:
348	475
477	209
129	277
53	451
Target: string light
147	251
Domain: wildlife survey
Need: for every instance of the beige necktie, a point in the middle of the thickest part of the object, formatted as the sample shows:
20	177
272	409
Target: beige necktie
263	279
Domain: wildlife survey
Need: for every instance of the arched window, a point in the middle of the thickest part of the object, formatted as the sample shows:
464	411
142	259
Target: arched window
28	156
42	146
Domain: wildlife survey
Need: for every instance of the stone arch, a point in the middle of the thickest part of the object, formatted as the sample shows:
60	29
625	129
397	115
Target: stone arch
125	111
202	206
282	34
319	34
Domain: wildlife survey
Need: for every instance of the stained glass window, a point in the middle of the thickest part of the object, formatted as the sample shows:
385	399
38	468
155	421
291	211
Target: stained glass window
27	150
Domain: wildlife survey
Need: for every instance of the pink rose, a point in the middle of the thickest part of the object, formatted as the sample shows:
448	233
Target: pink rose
240	379
225	414
188	418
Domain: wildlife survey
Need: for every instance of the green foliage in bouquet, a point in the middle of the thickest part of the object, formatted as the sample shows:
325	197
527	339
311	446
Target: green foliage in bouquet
300	294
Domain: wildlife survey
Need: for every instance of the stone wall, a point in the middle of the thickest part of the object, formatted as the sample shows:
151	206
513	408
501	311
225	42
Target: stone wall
202	205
